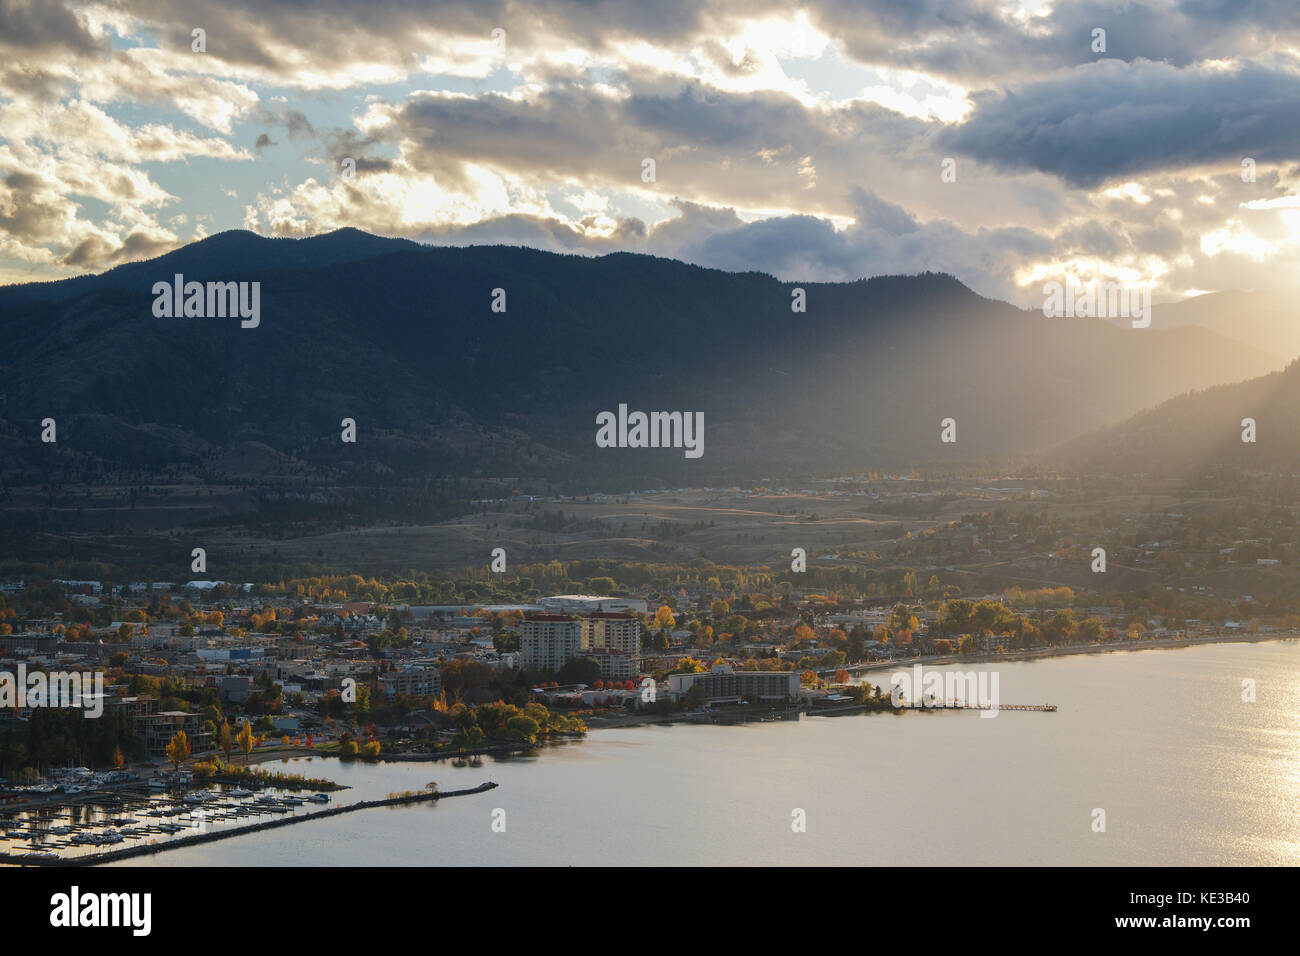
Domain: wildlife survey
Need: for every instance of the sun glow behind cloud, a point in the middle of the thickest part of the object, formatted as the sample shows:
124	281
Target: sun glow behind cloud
534	126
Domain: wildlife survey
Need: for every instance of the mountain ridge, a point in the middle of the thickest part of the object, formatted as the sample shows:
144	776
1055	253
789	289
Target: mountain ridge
403	339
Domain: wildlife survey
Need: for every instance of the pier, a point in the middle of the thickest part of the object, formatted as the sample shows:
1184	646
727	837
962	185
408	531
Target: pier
958	705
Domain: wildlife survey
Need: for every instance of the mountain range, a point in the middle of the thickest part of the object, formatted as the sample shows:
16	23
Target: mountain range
404	339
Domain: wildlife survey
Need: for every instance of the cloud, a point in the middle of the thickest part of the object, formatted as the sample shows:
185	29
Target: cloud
801	141
1113	120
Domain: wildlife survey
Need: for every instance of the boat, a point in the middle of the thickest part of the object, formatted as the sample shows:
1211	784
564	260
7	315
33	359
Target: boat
201	796
170	827
60	831
241	792
319	798
267	798
111	835
294	801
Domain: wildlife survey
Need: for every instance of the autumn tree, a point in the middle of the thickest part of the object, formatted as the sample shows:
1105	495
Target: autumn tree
178	749
245	738
225	739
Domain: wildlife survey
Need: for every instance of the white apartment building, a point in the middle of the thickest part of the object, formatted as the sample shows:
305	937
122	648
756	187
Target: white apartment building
548	641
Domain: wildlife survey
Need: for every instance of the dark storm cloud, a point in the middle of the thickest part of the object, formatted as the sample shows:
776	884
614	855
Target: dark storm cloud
1112	120
44	26
976	42
757	148
331	33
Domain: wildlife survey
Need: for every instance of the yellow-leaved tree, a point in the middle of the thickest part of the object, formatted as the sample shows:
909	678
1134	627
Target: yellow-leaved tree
226	739
178	749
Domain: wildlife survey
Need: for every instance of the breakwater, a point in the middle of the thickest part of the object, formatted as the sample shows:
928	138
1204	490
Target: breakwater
126	853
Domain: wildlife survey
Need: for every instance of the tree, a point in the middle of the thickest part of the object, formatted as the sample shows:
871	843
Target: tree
119	761
245	738
178	749
664	618
523	728
225	739
1090	630
579	670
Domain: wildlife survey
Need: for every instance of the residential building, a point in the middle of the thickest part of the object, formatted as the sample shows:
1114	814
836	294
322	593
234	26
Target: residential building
413	680
548	641
724	685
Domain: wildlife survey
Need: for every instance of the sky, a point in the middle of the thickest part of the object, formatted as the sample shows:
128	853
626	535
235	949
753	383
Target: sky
829	140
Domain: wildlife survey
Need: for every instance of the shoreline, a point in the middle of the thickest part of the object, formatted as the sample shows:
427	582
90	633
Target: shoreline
1041	653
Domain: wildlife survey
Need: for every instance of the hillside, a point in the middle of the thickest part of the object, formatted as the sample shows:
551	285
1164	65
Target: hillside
1197	434
402	338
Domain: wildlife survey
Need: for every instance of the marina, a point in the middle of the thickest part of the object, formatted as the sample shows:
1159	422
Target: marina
41	851
74	822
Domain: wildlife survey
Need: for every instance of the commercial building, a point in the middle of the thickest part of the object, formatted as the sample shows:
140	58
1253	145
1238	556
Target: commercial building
592	604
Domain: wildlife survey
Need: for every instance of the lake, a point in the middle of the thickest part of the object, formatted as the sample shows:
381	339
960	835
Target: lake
1186	772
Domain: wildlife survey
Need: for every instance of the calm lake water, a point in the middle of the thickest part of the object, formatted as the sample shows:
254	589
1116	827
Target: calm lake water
1161	740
